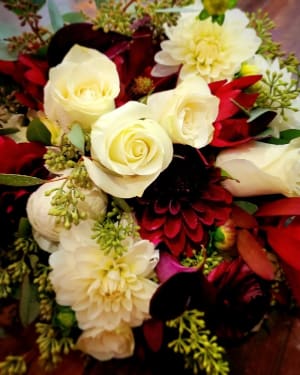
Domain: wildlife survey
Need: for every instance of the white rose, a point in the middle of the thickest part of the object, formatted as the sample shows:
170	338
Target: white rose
260	168
105	345
129	150
187	112
46	230
81	88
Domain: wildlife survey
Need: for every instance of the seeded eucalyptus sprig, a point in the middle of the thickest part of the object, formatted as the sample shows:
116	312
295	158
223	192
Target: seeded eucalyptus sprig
196	343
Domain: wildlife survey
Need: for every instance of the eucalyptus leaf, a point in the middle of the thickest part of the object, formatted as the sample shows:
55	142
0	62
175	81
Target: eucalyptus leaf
29	305
76	137
73	17
38	132
56	18
19	180
249	207
6	131
24	228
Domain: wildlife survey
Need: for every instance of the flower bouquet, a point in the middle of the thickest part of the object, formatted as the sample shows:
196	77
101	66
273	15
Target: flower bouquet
149	186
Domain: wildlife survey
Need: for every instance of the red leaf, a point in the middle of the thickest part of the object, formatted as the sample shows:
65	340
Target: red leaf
285	241
254	255
242	219
281	207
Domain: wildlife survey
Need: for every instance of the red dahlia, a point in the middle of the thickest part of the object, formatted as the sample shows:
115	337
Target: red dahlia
184	201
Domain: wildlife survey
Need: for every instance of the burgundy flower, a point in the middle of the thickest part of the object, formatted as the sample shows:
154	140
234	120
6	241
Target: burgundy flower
242	299
183	203
232	126
30	74
17	158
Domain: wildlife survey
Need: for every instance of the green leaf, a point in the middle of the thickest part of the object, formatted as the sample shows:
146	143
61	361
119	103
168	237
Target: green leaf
6	131
73	17
19	180
56	18
38	132
24	228
99	2
284	137
76	137
219	18
249	207
29	305
232	4
203	15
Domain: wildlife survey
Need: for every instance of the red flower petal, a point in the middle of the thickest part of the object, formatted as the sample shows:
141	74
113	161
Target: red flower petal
153	332
285	242
177	244
172	226
293	278
281	207
190	218
254	255
196	235
151	222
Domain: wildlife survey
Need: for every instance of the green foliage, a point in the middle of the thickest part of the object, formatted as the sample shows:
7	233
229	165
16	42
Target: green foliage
112	232
284	137
38	132
207	258
19	180
196	343
277	94
56	18
76	137
13	365
29	305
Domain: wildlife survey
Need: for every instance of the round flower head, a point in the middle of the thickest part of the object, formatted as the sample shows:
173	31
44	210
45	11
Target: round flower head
46	229
103	289
206	48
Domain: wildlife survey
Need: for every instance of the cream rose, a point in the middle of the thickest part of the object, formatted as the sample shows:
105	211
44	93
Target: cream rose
46	230
129	150
187	112
81	88
105	345
260	168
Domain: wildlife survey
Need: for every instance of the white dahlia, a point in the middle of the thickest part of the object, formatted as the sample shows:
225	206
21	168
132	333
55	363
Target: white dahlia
206	48
103	290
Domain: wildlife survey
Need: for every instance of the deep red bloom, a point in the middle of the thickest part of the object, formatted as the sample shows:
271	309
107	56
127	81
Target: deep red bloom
232	126
17	158
183	203
30	74
242	299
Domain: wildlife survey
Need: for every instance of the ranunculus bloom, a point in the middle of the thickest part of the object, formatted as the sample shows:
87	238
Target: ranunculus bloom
242	299
103	290
206	48
259	168
46	230
187	112
105	345
81	88
129	150
20	158
31	74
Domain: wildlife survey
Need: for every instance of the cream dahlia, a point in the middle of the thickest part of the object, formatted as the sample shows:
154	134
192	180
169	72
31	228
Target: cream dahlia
204	47
104	290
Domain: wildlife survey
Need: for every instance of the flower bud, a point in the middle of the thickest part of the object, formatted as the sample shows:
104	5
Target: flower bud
225	236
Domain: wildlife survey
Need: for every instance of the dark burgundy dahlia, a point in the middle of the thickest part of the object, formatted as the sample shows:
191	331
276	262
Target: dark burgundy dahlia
183	203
